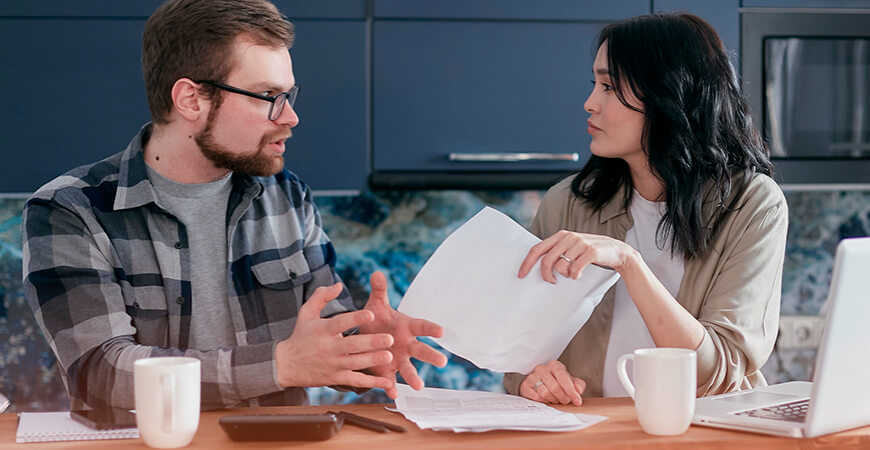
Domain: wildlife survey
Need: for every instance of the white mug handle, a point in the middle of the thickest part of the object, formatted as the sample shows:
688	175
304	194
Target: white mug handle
168	382
623	373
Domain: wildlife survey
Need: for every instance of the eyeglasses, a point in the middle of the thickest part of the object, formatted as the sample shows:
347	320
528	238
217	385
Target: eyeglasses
277	101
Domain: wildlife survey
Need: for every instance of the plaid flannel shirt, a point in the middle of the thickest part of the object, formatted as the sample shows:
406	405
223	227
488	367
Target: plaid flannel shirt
107	275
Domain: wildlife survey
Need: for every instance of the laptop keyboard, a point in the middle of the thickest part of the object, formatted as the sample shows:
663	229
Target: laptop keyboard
792	412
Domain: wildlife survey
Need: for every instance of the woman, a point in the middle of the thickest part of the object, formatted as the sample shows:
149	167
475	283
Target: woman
678	199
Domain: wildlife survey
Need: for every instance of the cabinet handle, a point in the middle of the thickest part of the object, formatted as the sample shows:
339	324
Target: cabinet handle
512	157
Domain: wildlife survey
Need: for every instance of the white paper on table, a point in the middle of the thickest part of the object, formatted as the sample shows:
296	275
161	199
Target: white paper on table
490	317
475	411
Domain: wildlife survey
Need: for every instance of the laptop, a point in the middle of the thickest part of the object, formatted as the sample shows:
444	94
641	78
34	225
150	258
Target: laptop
838	397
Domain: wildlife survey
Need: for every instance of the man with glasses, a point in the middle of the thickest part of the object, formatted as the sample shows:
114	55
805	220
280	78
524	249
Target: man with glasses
196	240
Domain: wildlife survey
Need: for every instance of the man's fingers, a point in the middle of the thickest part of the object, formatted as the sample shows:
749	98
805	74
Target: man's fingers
409	373
361	361
361	380
422	327
427	354
348	320
365	343
318	300
392	392
379	288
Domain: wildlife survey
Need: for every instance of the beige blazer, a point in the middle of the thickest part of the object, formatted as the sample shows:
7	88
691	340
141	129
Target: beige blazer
733	291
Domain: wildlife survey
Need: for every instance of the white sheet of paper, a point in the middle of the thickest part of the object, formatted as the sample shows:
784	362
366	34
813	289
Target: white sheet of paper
490	317
476	411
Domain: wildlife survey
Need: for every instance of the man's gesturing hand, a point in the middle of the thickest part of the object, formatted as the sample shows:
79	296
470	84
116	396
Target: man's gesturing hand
317	354
405	330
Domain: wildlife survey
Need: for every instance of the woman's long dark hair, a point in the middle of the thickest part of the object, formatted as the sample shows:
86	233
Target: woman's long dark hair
698	131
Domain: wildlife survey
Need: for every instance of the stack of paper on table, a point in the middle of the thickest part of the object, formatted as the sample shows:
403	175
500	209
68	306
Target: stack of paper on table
474	411
59	426
490	317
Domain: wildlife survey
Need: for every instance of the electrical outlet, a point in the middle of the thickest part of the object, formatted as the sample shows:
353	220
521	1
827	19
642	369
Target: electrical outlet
800	332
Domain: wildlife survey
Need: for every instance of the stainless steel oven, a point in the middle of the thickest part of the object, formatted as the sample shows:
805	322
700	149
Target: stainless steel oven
807	75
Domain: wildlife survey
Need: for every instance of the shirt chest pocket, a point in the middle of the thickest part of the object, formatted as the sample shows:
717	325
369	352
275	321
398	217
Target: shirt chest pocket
279	293
285	273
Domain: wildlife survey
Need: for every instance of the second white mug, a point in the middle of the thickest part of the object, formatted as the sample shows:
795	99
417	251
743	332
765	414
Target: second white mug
664	388
167	400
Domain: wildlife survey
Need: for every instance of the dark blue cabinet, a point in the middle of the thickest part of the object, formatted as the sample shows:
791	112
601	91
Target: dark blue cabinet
72	94
388	86
295	9
807	3
723	15
329	147
79	8
319	9
458	84
479	87
556	10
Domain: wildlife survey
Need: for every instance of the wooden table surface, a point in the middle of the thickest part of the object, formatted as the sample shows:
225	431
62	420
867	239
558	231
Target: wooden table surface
620	430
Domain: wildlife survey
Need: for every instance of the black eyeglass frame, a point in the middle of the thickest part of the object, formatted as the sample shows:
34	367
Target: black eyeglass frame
289	96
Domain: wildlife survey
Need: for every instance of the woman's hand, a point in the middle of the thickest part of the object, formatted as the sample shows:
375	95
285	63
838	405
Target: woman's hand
569	253
551	383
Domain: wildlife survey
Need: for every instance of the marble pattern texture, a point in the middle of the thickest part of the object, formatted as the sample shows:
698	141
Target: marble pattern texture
396	231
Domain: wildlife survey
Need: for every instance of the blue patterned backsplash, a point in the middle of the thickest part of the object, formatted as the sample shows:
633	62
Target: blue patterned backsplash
395	232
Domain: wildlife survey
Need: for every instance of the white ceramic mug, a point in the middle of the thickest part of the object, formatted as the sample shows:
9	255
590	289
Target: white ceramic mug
167	400
664	388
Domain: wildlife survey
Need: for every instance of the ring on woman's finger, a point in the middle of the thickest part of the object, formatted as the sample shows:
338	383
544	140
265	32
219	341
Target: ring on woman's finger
537	385
567	259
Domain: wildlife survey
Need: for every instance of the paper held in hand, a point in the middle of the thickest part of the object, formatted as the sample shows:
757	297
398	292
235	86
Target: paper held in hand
490	316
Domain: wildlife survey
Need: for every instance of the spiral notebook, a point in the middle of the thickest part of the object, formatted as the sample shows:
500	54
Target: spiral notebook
59	426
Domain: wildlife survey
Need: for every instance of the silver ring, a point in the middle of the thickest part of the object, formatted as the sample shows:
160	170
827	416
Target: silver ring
537	384
567	259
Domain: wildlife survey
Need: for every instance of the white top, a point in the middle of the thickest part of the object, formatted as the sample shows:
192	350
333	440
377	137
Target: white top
629	332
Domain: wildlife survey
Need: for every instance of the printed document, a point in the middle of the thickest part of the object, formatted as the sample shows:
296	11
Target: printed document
474	411
490	317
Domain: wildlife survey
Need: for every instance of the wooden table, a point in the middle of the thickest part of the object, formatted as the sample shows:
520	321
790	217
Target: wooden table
620	430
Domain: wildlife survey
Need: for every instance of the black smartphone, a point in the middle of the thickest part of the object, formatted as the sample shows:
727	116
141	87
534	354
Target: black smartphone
280	427
105	419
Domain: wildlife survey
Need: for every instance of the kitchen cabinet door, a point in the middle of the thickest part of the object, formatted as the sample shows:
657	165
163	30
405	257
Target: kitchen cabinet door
294	9
723	15
471	88
807	3
72	93
329	147
79	8
319	9
510	9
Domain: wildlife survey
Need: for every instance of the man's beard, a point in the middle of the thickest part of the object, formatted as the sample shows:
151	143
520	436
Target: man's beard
259	164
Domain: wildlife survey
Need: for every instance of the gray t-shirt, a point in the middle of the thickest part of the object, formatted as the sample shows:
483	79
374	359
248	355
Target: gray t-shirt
202	208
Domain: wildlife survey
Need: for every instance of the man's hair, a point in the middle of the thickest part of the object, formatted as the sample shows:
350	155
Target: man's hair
698	130
194	38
